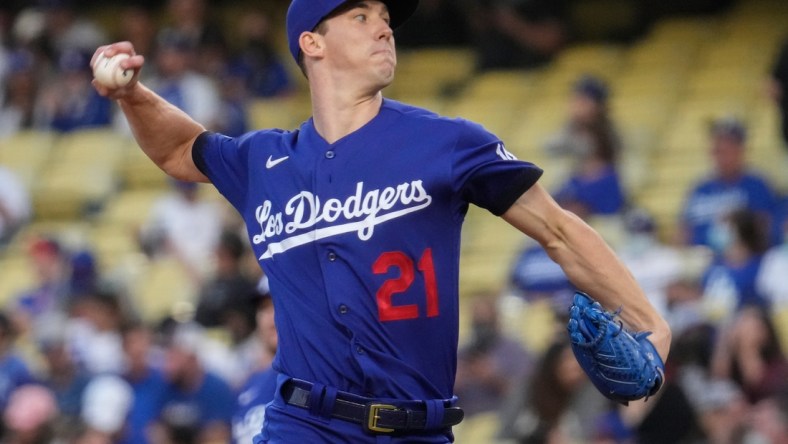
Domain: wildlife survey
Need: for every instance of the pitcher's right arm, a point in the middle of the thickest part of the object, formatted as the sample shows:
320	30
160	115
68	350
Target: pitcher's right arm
164	132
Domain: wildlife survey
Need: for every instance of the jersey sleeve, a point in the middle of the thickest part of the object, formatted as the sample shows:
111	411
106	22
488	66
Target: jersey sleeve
224	160
486	174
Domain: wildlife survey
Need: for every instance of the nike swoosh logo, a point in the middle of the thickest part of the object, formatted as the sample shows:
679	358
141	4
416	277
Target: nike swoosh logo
270	163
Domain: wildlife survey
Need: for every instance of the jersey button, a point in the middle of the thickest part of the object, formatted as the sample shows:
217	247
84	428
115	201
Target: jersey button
330	154
332	256
343	309
359	350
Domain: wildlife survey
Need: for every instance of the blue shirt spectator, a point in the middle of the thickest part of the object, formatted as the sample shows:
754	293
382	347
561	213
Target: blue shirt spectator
149	394
731	187
71	102
729	283
198	405
263	71
14	372
190	410
535	275
594	194
715	197
734	279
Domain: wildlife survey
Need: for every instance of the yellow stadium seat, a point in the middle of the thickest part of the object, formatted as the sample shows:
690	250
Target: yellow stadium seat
25	153
503	85
81	172
130	208
280	112
162	288
16	275
137	171
478	429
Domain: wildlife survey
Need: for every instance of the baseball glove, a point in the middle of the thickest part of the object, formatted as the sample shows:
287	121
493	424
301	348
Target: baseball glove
623	366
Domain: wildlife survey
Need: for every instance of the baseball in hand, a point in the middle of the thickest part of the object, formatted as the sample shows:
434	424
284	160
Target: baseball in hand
108	73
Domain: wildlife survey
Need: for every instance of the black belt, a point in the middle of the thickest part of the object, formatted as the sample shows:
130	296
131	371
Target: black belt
374	417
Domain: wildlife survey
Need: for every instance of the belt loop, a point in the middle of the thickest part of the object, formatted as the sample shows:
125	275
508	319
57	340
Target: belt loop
327	406
316	399
435	411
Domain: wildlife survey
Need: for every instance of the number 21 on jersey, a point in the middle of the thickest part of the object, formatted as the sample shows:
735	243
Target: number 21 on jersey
387	310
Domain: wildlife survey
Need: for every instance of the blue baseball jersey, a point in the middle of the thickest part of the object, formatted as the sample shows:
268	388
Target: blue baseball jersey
150	393
535	273
360	240
600	194
251	402
737	280
713	199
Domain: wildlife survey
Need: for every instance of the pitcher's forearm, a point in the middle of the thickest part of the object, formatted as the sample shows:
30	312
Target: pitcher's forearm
164	132
592	266
588	262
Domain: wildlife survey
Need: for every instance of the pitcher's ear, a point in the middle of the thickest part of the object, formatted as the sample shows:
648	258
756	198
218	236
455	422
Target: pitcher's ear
312	44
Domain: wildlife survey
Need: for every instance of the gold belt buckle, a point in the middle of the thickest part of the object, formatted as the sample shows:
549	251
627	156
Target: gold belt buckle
373	417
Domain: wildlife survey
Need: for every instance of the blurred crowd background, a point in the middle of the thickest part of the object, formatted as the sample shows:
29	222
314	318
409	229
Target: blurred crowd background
133	311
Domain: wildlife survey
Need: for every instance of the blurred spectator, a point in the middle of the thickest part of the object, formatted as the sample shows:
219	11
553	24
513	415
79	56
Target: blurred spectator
105	408
589	119
63	375
435	23
729	282
490	364
265	74
234	116
748	352
84	273
730	187
20	93
184	226
147	384
15	205
228	301
199	405
779	87
14	371
70	102
768	419
535	276
93	332
556	404
30	416
590	141
772	279
517	33
66	31
28	32
667	417
190	20
720	407
593	190
229	289
49	296
138	27
177	80
259	389
655	265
